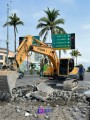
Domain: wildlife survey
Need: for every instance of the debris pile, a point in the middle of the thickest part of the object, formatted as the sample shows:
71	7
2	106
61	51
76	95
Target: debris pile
28	110
42	102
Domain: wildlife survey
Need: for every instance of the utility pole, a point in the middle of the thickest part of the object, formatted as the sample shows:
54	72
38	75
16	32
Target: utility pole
59	54
7	41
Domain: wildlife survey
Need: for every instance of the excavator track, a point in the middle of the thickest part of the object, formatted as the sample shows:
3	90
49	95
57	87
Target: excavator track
70	84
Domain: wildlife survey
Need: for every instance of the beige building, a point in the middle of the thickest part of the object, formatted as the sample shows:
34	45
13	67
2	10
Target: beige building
3	56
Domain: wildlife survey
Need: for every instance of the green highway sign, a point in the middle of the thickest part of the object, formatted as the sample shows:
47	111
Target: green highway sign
36	37
63	41
20	40
34	43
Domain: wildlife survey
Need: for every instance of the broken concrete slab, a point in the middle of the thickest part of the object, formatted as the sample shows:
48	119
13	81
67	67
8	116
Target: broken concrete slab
43	91
87	93
7	83
40	95
45	88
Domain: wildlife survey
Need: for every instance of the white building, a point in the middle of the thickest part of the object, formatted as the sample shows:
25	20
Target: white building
31	58
3	56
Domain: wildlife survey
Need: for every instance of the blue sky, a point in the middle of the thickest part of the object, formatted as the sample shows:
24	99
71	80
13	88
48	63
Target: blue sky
75	12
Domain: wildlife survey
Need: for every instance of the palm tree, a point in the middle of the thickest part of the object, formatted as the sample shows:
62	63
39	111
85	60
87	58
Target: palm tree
14	21
50	23
75	53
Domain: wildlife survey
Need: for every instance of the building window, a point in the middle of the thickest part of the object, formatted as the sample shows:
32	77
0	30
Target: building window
1	57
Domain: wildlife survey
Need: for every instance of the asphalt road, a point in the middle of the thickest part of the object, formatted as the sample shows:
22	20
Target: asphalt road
87	76
28	80
32	80
86	81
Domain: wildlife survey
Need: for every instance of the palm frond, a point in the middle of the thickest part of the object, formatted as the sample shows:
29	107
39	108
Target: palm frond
41	25
19	23
44	19
5	24
75	53
52	14
60	30
59	21
43	31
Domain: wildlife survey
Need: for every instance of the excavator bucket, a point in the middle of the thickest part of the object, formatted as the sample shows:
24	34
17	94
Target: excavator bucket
7	83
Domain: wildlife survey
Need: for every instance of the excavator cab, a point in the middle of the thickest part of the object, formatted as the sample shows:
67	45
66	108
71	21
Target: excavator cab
65	66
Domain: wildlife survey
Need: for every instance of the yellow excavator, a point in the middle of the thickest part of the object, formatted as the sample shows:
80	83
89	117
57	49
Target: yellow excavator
63	68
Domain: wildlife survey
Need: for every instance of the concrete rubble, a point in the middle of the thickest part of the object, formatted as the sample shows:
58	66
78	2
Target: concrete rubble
62	104
43	91
66	105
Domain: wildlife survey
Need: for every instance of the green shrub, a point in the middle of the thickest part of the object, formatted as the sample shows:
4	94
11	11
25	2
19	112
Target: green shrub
88	69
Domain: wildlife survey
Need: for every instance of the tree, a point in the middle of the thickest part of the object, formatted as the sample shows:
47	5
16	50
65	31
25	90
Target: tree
88	69
50	23
14	21
75	53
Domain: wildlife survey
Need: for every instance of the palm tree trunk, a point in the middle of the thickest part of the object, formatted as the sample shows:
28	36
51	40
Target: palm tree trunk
14	40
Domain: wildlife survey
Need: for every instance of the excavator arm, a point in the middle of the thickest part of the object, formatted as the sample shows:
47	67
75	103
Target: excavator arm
48	51
42	48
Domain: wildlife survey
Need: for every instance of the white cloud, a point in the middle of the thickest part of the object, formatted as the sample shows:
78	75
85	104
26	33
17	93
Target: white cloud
86	27
82	60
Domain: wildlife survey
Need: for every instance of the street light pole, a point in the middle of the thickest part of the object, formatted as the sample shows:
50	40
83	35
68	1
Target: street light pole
7	41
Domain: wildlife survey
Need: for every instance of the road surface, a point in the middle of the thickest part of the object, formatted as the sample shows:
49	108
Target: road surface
86	81
32	80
